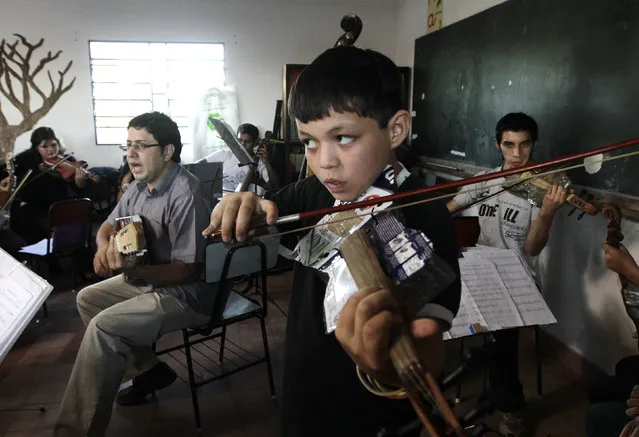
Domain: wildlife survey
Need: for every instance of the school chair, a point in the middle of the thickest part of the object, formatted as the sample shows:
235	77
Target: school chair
69	232
210	342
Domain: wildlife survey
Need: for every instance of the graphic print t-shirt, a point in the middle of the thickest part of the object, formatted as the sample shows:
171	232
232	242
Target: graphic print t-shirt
504	219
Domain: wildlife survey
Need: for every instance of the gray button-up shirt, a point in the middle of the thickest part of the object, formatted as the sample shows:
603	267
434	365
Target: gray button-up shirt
174	213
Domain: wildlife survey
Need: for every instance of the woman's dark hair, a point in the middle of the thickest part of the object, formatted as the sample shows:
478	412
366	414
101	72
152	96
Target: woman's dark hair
163	128
42	134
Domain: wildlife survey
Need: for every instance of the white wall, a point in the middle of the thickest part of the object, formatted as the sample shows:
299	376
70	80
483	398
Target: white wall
260	36
584	296
582	293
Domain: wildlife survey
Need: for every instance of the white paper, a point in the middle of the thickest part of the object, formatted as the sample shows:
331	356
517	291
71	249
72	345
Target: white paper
498	291
467	315
22	293
488	291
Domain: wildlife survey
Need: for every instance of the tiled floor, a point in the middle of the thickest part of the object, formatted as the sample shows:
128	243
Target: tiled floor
35	372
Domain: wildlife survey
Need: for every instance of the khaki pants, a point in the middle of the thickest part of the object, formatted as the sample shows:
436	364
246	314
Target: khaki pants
123	321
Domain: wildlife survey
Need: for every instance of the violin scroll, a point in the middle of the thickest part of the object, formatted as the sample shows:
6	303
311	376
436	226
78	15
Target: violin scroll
612	213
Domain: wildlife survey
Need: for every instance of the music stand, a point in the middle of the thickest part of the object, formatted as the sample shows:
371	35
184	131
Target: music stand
210	175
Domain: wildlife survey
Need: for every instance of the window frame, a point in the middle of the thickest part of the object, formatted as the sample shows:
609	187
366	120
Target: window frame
91	59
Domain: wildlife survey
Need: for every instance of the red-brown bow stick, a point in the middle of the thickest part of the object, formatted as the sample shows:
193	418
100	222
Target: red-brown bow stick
292	218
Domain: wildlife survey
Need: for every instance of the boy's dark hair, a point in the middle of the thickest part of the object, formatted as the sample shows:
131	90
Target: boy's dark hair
249	129
164	130
348	79
517	122
41	134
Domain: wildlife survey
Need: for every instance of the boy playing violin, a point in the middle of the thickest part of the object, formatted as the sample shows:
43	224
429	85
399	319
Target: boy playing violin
349	111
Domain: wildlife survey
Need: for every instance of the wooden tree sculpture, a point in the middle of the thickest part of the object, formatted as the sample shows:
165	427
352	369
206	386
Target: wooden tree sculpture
18	85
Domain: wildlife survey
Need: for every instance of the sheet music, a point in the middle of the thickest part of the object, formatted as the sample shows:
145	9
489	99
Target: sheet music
22	293
467	315
498	291
487	289
522	288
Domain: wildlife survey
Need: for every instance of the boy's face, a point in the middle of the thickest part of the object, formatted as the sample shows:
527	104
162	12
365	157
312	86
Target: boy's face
347	152
516	148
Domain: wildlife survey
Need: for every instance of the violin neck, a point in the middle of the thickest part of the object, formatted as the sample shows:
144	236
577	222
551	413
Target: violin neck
572	198
365	268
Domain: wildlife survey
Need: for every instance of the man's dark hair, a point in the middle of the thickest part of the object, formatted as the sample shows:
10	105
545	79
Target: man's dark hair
348	79
164	130
249	129
42	134
517	122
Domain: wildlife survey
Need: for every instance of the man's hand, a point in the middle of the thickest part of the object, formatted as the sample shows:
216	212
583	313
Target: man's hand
115	259
262	153
618	260
101	263
235	214
554	198
365	329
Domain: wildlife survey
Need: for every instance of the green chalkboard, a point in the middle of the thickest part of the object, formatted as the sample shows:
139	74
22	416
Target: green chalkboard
573	65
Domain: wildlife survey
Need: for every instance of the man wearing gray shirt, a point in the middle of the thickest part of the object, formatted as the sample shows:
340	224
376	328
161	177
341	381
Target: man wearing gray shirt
128	312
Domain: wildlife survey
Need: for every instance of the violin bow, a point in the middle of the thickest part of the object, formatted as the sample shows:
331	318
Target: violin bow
370	203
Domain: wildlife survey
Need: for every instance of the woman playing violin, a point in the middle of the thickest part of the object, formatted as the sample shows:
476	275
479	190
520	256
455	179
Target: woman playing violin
45	186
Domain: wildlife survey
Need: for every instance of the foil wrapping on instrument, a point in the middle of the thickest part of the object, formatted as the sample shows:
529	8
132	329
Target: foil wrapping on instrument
529	191
630	295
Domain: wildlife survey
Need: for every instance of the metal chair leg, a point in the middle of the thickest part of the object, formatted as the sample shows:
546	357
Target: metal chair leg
222	340
538	353
267	356
189	365
458	392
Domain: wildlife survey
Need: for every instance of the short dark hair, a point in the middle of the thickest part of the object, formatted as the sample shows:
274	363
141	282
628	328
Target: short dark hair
249	129
517	122
42	134
348	79
163	128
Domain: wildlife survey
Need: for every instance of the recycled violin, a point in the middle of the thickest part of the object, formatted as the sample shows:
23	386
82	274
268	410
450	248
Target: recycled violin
65	169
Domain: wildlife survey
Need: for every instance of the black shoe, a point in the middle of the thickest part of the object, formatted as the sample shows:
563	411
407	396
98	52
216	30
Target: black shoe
157	378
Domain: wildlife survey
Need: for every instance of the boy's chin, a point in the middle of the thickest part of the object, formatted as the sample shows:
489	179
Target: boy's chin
344	197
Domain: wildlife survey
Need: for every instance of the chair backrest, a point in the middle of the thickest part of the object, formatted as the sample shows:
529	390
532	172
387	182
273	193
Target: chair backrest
225	281
69	225
467	230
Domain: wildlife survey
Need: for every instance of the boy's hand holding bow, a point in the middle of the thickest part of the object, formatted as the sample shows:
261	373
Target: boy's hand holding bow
366	322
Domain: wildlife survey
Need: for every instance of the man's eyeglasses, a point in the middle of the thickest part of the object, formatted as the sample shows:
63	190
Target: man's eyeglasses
136	147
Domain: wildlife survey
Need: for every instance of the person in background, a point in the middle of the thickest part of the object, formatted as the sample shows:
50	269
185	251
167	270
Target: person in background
509	222
234	175
44	187
614	400
126	313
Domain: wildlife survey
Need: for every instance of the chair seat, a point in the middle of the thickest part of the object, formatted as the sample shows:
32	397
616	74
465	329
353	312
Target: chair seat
39	248
238	306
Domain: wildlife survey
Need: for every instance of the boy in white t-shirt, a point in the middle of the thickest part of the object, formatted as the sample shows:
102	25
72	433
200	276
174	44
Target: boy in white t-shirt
510	222
234	174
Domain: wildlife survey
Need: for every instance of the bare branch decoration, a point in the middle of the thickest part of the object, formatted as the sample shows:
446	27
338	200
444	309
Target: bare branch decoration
15	69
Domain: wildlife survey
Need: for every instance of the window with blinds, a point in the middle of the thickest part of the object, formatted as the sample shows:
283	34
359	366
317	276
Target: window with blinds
130	78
